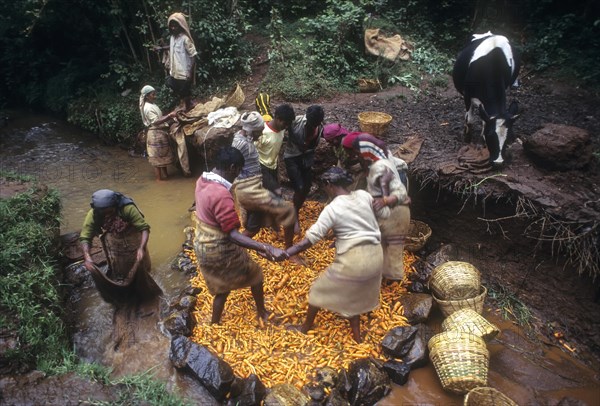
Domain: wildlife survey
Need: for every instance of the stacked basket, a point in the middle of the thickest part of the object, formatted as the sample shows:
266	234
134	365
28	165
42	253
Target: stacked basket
459	354
456	285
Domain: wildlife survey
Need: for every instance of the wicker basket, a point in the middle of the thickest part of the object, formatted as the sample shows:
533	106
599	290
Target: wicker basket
373	122
369	85
449	307
235	98
486	396
418	234
469	321
460	359
455	280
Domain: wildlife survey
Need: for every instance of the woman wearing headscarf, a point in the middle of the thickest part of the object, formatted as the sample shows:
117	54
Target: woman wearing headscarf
384	183
124	234
182	52
263	208
350	286
158	147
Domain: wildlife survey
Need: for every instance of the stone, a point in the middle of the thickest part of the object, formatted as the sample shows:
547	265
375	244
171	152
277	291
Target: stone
417	307
249	392
408	344
559	147
215	374
369	383
179	323
286	395
397	371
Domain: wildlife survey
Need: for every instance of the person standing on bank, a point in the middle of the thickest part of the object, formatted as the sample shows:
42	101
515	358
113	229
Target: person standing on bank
158	147
220	247
182	54
351	284
299	155
124	233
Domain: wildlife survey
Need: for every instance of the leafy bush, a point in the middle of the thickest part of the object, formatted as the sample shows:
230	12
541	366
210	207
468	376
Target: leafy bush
30	299
114	117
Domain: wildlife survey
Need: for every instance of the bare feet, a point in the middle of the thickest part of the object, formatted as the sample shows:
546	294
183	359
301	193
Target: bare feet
263	317
296	327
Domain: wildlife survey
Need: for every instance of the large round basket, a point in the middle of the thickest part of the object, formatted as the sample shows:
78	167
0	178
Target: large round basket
460	359
373	122
469	321
369	85
235	98
448	307
486	396
418	234
455	280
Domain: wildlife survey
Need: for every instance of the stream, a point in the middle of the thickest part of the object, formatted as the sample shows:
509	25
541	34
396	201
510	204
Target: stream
76	164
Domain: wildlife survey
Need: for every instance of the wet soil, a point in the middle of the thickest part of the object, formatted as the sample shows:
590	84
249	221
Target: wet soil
513	222
528	362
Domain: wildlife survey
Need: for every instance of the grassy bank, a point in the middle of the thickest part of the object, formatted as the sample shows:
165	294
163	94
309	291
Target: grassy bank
30	298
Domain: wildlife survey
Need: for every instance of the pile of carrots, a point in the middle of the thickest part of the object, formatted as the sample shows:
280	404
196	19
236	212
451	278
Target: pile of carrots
271	351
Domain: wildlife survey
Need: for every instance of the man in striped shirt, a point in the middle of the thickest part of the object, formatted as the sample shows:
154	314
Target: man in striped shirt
263	208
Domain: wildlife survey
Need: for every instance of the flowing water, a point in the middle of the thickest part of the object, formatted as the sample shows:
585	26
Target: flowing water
73	162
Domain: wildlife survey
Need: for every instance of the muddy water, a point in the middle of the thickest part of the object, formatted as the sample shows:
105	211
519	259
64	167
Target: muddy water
529	371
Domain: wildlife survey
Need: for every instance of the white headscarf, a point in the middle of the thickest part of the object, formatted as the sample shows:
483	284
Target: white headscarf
252	121
146	90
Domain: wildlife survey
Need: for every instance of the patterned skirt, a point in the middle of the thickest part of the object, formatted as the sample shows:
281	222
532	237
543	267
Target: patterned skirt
158	147
225	265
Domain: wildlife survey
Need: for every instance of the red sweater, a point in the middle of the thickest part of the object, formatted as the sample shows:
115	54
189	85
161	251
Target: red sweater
215	206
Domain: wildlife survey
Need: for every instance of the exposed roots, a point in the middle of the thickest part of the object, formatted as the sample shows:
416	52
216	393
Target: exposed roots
579	242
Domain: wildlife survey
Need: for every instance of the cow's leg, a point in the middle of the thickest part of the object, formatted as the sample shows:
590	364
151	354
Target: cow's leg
467	129
471	117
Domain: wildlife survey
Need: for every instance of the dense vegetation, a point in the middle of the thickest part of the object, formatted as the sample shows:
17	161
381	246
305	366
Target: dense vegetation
86	60
30	298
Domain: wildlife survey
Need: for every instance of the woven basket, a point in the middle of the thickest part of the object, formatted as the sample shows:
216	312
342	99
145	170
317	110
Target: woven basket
418	234
373	122
486	396
235	98
469	321
369	85
460	359
455	280
449	307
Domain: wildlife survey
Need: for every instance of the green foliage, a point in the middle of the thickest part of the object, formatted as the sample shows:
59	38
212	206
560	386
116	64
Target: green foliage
135	389
30	299
323	48
143	387
116	118
569	42
511	306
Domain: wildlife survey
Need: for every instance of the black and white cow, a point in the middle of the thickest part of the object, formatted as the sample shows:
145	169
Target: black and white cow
483	71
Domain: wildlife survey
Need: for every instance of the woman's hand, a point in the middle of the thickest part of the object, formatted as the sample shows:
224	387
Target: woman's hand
273	253
379	203
139	254
88	263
